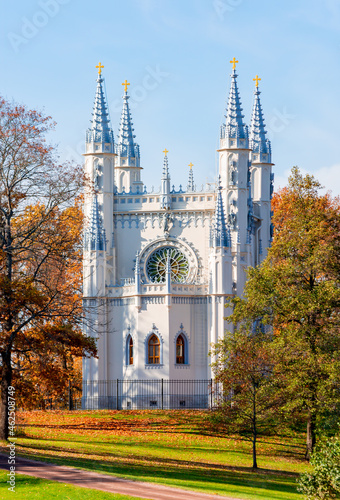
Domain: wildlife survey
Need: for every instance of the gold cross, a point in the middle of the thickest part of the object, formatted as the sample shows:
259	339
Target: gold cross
165	151
126	85
191	165
234	62
257	80
99	67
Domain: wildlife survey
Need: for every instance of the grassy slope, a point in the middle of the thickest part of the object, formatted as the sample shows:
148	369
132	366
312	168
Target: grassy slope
28	487
172	448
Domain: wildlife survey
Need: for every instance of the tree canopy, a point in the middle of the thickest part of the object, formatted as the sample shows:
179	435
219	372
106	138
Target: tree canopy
296	292
40	306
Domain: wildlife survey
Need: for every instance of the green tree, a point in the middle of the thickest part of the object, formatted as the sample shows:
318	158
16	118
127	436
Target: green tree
243	365
296	291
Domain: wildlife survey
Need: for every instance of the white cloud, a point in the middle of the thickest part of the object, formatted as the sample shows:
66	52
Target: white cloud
329	177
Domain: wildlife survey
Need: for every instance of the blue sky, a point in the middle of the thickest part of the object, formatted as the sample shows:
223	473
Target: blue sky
176	55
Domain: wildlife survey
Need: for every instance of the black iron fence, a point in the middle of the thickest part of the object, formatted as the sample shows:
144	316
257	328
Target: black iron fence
150	394
161	394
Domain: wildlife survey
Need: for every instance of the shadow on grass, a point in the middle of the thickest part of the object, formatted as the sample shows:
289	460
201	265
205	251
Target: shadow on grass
297	454
193	475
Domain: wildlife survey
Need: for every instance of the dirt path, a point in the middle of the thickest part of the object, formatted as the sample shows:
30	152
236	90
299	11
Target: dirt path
103	482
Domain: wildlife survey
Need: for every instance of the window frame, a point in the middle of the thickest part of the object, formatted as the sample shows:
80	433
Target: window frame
153	357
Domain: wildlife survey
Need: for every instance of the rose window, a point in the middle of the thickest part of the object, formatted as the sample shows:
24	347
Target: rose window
156	265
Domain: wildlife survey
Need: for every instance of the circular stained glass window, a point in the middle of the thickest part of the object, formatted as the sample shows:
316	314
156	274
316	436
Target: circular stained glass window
156	265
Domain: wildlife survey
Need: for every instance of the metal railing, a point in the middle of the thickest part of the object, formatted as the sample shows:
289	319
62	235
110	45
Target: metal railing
150	394
157	394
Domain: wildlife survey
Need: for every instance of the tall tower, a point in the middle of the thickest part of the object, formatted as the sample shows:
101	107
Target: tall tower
234	171
98	268
220	271
127	166
261	177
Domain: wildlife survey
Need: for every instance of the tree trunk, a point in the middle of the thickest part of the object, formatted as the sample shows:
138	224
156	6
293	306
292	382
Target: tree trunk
254	431
311	435
6	381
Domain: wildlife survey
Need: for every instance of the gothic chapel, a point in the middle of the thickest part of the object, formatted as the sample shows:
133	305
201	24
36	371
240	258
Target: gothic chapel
160	266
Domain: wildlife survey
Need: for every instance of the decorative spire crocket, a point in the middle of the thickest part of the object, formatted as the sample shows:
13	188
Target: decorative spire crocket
221	233
94	237
235	128
126	147
259	144
191	184
100	130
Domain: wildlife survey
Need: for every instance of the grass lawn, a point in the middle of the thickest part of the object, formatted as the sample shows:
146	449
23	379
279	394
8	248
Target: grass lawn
28	487
175	448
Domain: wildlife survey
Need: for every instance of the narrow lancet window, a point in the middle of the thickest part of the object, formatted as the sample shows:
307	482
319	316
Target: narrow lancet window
154	350
180	347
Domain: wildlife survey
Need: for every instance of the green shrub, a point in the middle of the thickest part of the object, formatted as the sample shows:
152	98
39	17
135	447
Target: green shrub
323	482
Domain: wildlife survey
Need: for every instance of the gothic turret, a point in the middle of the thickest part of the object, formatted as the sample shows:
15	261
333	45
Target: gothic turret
191	183
94	235
234	130
100	131
128	155
261	148
234	171
221	234
99	169
261	177
165	186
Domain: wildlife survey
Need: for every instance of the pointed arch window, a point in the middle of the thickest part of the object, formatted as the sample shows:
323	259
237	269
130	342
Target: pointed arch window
129	350
180	350
154	348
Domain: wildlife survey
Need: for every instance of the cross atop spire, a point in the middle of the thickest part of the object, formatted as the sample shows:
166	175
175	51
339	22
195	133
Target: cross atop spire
99	67
257	80
125	85
165	152
234	62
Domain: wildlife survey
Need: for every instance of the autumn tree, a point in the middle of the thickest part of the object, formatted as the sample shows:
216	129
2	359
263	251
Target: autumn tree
296	291
44	370
38	304
243	365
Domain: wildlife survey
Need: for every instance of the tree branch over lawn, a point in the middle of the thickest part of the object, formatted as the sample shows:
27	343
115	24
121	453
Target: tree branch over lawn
40	247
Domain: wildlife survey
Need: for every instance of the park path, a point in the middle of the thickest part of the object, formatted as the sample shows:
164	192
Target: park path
103	482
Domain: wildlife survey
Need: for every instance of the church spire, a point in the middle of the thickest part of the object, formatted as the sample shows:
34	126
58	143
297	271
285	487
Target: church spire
235	129
126	146
221	236
259	144
191	184
166	175
100	130
165	186
94	237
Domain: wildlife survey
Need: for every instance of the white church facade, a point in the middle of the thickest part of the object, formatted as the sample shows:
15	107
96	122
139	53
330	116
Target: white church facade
160	266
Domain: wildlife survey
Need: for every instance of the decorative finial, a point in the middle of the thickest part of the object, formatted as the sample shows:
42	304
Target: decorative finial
190	165
165	151
257	80
125	85
234	62
100	67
